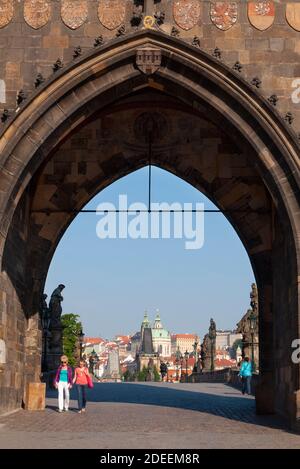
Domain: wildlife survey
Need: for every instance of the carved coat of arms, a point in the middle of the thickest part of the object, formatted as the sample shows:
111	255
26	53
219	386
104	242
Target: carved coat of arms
74	12
6	12
148	60
293	15
223	14
261	14
37	12
111	13
186	13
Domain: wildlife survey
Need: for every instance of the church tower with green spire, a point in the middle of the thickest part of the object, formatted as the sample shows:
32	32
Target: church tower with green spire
161	338
146	323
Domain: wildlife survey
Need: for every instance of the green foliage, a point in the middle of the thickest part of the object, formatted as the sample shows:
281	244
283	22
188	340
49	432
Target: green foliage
129	376
71	330
142	374
237	343
156	374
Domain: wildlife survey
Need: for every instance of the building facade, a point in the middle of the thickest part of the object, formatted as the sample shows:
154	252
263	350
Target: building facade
226	339
184	342
161	338
93	343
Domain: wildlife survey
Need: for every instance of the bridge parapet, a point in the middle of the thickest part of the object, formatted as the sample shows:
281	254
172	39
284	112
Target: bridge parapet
227	375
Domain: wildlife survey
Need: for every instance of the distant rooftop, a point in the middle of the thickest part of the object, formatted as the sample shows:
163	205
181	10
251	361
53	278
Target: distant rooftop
184	336
93	340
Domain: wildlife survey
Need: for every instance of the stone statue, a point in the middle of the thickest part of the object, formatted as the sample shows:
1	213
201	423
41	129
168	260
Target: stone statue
212	329
206	352
208	348
44	312
202	356
254	297
243	326
55	308
44	306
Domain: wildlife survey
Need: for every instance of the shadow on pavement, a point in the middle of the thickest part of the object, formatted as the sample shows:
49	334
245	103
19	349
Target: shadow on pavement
239	408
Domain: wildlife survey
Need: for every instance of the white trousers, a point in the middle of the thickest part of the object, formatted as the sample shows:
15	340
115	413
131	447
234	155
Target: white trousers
63	400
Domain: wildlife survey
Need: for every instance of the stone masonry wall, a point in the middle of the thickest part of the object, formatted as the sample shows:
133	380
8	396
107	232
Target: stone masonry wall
271	55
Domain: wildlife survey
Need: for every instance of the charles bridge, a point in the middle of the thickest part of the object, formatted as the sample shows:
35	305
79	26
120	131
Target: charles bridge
80	82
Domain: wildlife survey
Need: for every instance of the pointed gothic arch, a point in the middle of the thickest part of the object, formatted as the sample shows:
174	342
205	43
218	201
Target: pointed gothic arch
203	87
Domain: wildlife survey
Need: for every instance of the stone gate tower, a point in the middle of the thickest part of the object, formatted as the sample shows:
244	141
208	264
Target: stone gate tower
81	80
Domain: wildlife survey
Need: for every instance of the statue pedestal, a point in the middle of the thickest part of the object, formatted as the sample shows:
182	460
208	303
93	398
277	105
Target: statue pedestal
35	396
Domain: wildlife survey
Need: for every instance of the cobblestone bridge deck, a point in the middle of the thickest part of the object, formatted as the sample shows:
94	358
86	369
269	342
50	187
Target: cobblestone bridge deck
149	415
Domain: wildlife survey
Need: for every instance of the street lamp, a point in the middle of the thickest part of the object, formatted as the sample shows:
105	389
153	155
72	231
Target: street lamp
181	365
168	366
186	356
93	359
177	363
252	321
195	347
81	340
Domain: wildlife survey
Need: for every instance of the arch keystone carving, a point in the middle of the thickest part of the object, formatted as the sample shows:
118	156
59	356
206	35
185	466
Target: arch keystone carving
148	60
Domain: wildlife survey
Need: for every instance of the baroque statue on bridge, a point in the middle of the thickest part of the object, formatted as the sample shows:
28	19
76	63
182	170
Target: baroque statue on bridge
254	297
43	306
55	308
212	330
243	326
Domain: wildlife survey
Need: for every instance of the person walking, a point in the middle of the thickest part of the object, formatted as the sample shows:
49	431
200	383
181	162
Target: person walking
82	380
163	370
246	375
63	382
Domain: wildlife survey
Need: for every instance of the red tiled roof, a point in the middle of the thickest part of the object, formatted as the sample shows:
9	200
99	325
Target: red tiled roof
184	336
123	338
225	363
93	340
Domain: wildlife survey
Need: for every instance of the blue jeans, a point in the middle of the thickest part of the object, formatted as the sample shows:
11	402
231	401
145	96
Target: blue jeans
81	395
246	384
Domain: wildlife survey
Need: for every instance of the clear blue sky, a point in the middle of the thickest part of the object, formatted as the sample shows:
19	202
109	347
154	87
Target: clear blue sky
110	282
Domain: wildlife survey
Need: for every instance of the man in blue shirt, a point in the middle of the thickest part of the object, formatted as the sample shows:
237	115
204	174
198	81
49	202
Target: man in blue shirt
246	375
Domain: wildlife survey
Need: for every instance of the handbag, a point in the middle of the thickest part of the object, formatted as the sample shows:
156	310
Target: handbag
89	381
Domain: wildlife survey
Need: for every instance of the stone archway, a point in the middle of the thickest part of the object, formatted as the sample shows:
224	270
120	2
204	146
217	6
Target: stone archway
251	171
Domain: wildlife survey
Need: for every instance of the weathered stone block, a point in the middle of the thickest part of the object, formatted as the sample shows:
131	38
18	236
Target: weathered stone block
35	396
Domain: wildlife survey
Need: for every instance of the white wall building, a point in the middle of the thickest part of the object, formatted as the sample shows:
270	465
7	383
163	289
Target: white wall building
226	339
161	338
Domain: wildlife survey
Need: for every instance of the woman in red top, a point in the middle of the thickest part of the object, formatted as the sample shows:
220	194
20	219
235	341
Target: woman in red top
81	380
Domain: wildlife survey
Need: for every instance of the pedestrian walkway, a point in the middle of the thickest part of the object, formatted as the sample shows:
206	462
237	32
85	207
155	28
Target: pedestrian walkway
149	415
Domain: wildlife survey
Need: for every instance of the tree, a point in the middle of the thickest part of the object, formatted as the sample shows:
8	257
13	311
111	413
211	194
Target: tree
142	374
129	376
156	374
71	330
126	375
237	343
